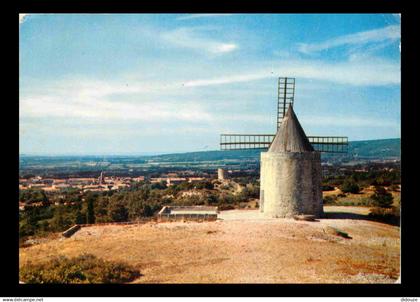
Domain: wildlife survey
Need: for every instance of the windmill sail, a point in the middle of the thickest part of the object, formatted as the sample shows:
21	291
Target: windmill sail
330	144
286	95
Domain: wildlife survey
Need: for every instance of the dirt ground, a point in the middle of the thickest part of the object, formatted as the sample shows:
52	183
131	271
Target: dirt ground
243	247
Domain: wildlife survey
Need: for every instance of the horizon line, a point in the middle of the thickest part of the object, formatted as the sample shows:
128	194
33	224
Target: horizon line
157	152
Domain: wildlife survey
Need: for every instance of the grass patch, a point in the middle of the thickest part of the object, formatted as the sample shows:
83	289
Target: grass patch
388	215
85	268
350	200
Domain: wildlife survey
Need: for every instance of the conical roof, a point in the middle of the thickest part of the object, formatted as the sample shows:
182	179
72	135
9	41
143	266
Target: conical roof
290	137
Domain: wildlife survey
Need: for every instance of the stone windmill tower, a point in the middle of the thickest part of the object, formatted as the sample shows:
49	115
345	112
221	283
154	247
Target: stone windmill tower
291	172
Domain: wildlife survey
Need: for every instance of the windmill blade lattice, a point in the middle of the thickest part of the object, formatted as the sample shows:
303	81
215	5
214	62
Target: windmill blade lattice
286	97
330	144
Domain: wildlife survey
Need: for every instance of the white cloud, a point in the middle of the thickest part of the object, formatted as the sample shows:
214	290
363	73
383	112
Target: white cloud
83	102
236	78
389	33
99	109
347	121
197	16
362	73
192	38
397	17
22	18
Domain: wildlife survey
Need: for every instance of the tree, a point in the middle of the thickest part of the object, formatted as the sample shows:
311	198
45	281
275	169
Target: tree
135	207
101	208
117	210
28	224
61	220
147	211
349	186
32	196
204	185
79	218
90	213
382	198
212	199
159	185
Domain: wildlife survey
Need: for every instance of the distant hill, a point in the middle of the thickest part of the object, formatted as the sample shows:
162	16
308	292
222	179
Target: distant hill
63	166
376	148
206	156
369	149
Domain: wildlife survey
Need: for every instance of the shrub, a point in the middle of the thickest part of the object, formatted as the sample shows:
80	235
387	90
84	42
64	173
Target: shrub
159	186
365	202
389	215
31	196
82	269
381	181
327	188
225	207
204	185
382	198
212	199
394	188
61	219
330	199
117	210
349	186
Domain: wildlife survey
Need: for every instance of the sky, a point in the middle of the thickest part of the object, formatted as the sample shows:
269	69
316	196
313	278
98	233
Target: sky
104	84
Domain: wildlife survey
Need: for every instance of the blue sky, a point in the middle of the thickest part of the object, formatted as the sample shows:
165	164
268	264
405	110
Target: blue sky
140	83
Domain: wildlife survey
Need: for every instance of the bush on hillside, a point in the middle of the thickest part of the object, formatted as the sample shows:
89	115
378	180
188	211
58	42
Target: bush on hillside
388	215
328	188
394	187
82	269
349	186
382	198
330	199
33	196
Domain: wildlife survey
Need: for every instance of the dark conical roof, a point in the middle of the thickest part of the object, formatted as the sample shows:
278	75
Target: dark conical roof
290	137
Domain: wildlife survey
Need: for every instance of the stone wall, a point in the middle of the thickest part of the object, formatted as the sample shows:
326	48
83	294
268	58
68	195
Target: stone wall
290	184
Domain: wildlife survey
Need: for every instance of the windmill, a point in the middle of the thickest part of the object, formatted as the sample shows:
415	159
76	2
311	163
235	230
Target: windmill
291	168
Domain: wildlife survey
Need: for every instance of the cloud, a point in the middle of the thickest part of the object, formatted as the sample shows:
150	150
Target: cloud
100	109
22	18
86	102
192	38
347	121
372	72
197	16
388	33
397	17
237	78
